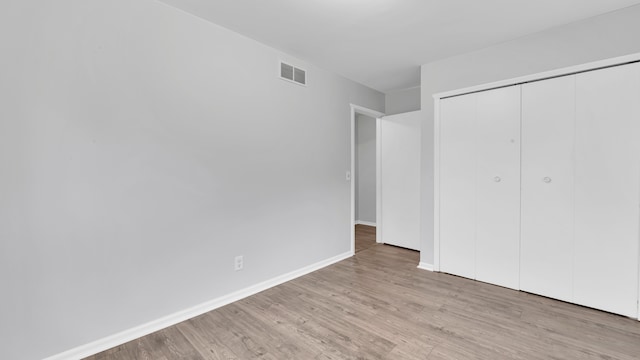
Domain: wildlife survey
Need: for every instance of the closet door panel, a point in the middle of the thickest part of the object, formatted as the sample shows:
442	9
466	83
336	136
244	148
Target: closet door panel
498	186
548	121
457	185
607	189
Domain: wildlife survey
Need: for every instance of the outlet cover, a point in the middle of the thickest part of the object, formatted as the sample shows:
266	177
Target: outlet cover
238	263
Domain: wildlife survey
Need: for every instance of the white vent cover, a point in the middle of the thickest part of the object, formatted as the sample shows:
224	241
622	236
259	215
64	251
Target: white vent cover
291	73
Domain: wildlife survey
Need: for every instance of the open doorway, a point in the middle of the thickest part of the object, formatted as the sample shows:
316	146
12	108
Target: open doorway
364	178
365	182
397	179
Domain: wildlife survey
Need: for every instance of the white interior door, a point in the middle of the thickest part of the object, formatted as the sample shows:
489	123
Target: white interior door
457	164
498	186
548	125
400	179
607	189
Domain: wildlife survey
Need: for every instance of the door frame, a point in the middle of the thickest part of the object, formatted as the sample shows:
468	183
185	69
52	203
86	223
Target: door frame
356	109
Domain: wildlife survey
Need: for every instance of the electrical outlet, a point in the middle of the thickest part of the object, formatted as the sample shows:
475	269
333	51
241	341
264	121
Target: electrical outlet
238	263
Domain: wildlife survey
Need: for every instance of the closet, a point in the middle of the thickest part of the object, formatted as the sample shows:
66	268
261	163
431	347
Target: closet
538	187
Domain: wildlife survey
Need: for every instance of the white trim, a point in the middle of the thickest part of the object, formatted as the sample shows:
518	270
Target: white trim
120	338
365	111
379	180
436	187
356	109
425	266
366	223
543	75
352	186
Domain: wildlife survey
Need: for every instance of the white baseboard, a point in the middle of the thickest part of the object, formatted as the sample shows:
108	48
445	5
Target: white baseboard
367	223
175	318
425	266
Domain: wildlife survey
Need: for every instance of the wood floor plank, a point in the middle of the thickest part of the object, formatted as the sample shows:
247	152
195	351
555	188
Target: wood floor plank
307	331
205	339
378	305
238	338
282	321
331	326
365	237
396	322
275	341
172	344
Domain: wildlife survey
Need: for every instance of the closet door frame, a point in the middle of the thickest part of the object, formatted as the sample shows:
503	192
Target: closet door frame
436	185
622	60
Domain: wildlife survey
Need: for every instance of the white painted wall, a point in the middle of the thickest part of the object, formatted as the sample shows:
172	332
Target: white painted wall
610	35
365	168
141	149
401	101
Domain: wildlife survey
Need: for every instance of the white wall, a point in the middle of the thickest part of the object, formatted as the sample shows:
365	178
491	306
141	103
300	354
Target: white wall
610	35
365	168
141	149
401	101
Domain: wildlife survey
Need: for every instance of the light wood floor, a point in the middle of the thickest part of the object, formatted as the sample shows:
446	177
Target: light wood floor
378	305
365	237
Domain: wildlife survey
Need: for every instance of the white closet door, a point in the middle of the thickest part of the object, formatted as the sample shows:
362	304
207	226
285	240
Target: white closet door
457	185
607	189
400	179
498	186
548	121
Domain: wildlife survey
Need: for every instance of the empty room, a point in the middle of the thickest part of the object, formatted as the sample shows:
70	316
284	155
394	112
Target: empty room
319	179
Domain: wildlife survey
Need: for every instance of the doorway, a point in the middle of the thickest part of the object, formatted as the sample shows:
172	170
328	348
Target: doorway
365	179
397	180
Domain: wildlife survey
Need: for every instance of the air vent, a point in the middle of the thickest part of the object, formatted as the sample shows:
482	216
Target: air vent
291	73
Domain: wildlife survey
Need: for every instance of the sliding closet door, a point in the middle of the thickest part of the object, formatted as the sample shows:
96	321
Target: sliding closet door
457	185
498	186
607	189
548	121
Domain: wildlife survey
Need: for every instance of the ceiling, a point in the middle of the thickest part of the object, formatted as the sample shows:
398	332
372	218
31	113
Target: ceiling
382	43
